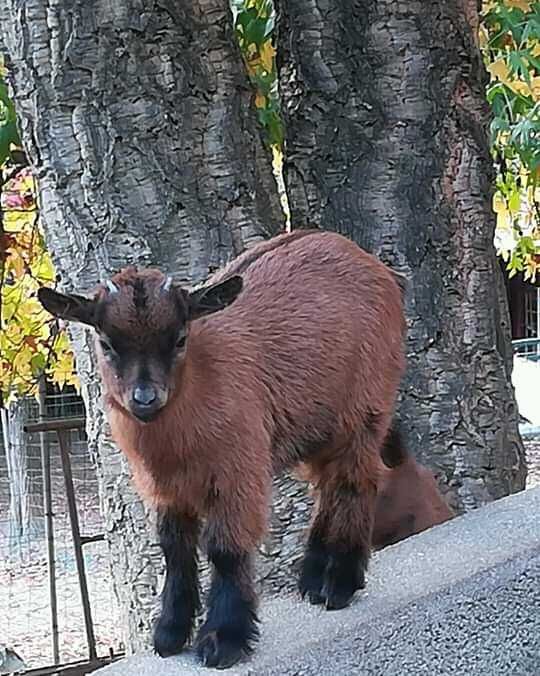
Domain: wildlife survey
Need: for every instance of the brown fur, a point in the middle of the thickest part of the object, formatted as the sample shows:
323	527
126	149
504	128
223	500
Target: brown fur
408	498
303	366
310	319
408	501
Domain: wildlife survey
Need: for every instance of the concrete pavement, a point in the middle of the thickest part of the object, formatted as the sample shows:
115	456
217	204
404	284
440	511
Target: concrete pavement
461	598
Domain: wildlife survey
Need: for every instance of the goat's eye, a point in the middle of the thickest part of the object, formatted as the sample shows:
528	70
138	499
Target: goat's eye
180	343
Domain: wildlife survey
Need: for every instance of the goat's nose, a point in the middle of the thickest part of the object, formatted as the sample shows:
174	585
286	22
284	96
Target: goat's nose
144	394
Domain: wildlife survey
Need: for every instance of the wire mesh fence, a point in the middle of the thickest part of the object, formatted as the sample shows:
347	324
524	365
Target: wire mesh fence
25	604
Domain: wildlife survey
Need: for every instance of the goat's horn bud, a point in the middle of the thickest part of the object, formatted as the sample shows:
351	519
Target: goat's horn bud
166	286
111	286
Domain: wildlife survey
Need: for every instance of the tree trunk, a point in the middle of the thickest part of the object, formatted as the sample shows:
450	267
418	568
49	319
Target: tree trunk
386	142
136	115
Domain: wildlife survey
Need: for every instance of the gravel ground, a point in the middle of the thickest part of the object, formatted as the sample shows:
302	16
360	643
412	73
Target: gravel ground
532	448
24	599
25	623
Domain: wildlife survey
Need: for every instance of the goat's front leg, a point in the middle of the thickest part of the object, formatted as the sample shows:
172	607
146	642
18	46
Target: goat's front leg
235	528
178	534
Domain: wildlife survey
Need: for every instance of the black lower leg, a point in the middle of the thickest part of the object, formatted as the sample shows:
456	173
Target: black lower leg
180	596
231	624
337	552
312	573
344	574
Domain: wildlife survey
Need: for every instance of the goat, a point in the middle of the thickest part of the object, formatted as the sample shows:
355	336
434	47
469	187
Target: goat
408	498
291	353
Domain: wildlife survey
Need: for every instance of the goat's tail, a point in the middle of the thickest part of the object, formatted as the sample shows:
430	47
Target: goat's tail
393	451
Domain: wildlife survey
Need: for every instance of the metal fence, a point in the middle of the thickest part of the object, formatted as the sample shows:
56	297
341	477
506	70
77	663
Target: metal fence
528	348
25	584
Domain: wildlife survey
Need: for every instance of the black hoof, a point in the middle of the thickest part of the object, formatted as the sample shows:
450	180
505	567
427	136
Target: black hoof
312	587
331	578
170	638
217	650
315	598
336	599
312	576
342	579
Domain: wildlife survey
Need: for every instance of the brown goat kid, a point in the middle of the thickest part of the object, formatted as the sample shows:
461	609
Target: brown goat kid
408	499
292	353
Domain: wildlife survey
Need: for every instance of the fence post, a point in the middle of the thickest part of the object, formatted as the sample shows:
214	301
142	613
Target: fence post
49	527
77	543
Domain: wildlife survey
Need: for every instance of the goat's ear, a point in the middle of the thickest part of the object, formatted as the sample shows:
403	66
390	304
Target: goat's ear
209	299
68	306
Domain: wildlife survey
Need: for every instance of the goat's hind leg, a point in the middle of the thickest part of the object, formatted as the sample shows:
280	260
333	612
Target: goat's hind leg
178	536
339	543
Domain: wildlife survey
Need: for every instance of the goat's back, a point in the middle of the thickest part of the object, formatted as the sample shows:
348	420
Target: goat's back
318	331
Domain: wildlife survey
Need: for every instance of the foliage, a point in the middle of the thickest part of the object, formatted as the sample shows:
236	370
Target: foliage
254	25
254	22
511	47
8	121
9	135
30	342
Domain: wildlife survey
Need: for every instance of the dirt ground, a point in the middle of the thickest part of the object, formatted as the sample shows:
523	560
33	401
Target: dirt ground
532	448
25	619
24	596
25	616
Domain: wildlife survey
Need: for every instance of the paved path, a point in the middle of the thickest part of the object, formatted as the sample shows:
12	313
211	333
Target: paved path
462	598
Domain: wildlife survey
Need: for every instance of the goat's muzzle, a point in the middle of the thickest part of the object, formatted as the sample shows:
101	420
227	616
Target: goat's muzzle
145	403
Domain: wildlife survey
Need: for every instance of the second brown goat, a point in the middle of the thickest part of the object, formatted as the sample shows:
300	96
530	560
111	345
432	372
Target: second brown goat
408	498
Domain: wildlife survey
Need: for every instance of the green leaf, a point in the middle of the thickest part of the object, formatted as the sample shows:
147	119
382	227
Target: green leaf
38	363
514	201
518	65
8	123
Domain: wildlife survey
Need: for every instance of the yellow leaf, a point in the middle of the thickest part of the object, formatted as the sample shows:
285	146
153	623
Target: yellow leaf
499	204
499	70
266	54
251	50
260	100
535	87
523	88
524	5
15	263
63	369
43	269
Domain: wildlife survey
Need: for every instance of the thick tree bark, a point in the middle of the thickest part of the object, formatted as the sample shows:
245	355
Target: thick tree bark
136	115
386	142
